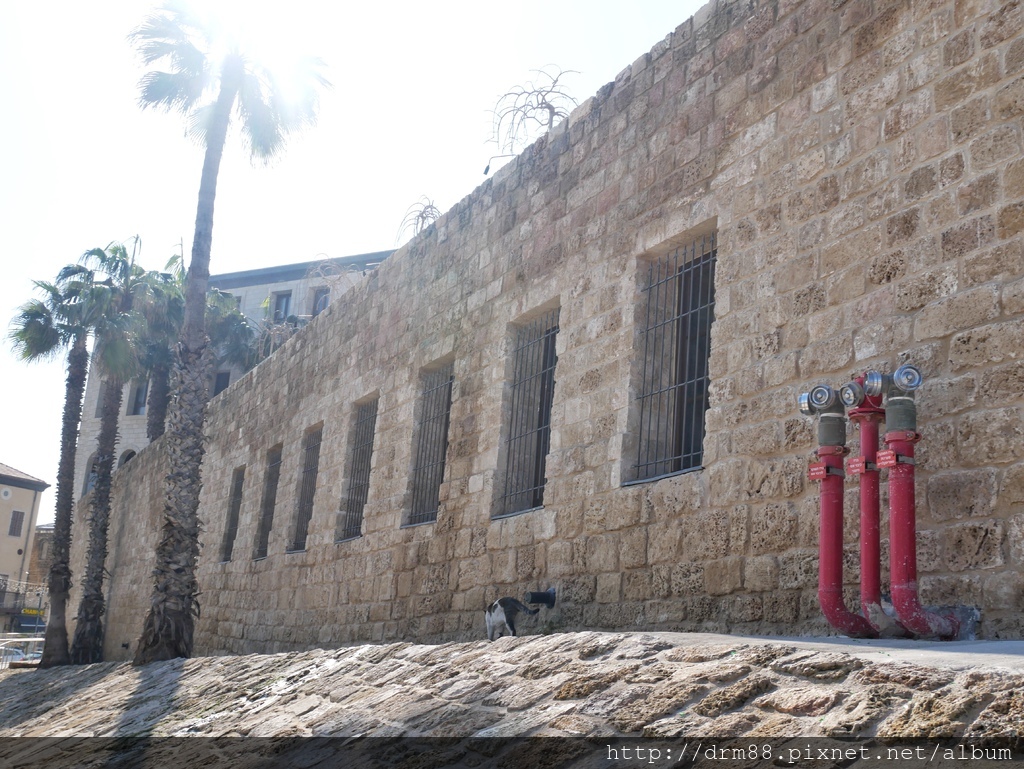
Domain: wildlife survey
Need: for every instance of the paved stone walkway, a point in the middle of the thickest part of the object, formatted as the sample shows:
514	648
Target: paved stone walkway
594	690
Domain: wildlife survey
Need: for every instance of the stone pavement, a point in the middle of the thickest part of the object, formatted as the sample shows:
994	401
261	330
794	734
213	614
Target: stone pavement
592	689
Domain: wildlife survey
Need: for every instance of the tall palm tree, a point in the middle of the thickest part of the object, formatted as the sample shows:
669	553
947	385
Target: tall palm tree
45	328
210	90
121	288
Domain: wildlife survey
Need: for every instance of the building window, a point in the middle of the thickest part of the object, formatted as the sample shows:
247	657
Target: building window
531	394
17	521
221	382
99	400
91	474
234	507
350	517
282	306
431	444
266	521
307	486
137	402
321	298
675	345
127	457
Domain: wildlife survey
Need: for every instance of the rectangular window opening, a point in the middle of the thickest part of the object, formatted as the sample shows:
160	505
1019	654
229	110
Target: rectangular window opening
431	445
321	298
679	308
350	517
266	522
234	507
282	306
221	382
307	487
531	395
17	522
137	405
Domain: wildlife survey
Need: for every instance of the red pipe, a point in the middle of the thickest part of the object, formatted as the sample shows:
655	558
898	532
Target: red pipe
868	416
903	543
830	546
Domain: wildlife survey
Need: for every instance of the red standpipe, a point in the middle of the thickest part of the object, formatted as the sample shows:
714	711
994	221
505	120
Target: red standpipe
903	542
830	545
868	416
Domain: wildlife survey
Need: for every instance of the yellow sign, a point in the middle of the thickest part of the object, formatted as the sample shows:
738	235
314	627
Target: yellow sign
31	611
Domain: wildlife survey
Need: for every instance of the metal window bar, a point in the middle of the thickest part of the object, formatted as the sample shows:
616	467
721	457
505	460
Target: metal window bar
431	445
351	518
673	394
17	521
271	478
234	507
529	431
307	488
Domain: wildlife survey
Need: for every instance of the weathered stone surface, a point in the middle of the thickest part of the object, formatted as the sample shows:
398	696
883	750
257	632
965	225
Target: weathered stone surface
930	716
732	696
859	713
998	725
468	693
801	701
911	676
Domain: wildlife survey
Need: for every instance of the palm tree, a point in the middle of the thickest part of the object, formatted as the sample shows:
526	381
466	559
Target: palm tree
237	84
121	288
43	329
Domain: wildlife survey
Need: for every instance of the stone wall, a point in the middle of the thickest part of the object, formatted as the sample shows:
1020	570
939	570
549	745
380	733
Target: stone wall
861	163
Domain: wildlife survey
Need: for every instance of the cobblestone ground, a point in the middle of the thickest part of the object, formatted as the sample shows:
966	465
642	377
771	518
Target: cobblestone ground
594	690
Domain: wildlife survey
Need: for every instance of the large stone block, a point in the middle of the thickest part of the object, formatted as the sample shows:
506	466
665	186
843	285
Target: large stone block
974	545
964	494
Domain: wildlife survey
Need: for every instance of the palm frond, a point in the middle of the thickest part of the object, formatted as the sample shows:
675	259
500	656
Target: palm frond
262	126
171	90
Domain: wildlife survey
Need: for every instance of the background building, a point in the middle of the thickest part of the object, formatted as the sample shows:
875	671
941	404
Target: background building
20	598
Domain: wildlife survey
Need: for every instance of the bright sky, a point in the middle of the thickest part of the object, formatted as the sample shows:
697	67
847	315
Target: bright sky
408	116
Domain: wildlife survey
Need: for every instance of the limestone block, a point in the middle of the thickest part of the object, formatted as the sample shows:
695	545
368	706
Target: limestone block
772	528
964	310
991	436
761	573
964	494
798	569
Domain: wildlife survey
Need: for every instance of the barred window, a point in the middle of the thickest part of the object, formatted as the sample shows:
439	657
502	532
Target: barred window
266	521
675	346
307	486
234	506
431	445
17	521
350	517
531	394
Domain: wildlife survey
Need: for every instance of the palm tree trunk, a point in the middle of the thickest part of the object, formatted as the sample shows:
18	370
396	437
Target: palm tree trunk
55	645
170	624
87	645
159	397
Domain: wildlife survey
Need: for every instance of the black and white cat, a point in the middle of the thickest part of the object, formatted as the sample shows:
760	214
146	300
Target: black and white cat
501	616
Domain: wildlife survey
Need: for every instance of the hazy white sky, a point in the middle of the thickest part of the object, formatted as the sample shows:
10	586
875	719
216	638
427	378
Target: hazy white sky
409	115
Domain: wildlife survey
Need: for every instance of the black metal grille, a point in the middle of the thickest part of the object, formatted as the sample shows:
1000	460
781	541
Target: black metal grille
307	488
350	523
529	427
431	445
234	506
269	501
673	395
